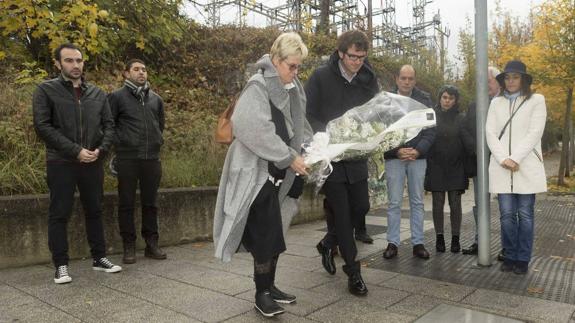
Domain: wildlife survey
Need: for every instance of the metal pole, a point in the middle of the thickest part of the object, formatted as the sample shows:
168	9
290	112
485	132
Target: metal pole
484	223
369	22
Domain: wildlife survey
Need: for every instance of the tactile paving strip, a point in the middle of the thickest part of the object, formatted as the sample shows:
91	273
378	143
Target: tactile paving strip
551	272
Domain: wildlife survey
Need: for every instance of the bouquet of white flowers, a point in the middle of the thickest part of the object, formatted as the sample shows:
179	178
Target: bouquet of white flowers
383	123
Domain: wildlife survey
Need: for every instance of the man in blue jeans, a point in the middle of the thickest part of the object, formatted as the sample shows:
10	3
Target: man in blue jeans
407	161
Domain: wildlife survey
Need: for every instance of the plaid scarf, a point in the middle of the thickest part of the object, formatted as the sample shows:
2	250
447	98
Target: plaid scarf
140	92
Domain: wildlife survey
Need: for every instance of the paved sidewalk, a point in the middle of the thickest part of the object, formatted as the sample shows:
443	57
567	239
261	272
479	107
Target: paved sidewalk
192	286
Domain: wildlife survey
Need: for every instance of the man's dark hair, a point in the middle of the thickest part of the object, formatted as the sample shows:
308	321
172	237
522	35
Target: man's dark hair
58	50
350	38
131	62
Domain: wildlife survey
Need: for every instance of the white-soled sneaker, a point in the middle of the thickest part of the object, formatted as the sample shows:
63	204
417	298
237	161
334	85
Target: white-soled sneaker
105	265
62	276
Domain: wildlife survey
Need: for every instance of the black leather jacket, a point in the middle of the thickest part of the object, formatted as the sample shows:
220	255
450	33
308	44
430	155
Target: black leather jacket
139	125
66	124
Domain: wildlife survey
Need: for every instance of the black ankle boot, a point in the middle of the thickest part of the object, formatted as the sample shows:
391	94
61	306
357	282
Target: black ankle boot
129	252
455	247
266	305
439	243
153	249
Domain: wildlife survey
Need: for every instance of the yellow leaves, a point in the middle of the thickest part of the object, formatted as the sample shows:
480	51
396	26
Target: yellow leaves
103	14
2	55
93	30
141	42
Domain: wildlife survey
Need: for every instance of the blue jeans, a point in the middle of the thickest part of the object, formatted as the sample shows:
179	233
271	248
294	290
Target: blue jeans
395	173
516	211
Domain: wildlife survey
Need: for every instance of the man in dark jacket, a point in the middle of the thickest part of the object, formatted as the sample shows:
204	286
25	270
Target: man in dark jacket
345	82
73	119
407	161
139	118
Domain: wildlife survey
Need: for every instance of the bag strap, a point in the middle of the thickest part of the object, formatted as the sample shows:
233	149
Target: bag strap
511	117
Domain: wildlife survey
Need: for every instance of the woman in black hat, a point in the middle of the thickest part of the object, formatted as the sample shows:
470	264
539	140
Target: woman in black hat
514	127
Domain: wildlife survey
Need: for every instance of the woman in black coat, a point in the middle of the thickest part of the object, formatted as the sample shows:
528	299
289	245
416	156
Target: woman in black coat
445	171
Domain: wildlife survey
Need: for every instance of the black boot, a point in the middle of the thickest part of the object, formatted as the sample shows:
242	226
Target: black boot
266	304
153	250
129	252
455	246
439	243
472	250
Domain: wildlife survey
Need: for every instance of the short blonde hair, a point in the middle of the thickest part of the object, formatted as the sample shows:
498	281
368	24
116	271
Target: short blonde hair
288	44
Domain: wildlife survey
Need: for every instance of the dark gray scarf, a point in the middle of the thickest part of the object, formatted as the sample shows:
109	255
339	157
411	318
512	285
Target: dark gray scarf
140	92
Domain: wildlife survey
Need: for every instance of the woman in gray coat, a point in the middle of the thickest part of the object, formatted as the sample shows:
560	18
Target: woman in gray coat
261	179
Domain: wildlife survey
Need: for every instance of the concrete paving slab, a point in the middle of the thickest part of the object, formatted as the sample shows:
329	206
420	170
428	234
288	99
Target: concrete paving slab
198	303
345	311
416	305
254	316
424	286
307	301
300	278
456	314
301	263
377	296
212	279
302	250
375	276
521	307
16	306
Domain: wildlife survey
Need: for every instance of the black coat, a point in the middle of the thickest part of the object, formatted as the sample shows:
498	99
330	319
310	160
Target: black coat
139	125
330	95
423	141
470	131
67	124
445	168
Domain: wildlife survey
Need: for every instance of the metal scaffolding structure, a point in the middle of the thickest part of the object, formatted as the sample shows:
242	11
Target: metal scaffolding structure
388	38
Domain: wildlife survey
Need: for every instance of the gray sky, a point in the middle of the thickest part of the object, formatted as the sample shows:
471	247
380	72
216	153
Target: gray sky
453	14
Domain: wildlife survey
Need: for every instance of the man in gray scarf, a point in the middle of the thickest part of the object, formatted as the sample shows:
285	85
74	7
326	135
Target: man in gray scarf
139	119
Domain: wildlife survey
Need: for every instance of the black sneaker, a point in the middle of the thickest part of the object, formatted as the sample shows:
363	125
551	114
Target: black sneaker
61	276
266	304
105	265
280	296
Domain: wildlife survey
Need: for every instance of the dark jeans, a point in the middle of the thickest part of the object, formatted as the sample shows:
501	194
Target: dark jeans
517	225
148	173
348	202
63	178
438	201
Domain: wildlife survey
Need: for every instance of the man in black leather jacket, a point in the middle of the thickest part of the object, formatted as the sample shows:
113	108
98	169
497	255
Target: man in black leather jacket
73	119
139	118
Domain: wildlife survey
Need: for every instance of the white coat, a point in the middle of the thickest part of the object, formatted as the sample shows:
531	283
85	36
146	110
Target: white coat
521	142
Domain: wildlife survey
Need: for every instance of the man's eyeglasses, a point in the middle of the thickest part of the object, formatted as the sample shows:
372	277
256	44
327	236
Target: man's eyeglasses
355	58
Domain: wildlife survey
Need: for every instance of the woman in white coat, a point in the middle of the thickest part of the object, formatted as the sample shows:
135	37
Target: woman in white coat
515	124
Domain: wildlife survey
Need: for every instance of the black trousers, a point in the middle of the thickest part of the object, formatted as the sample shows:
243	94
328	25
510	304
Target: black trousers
147	173
348	202
62	179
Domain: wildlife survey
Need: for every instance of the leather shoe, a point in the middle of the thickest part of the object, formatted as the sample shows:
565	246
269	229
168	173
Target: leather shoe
472	250
501	255
356	285
281	297
390	251
326	258
507	266
521	267
420	252
266	305
363	237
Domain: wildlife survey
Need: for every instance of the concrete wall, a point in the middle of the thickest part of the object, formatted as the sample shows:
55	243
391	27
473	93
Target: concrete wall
185	215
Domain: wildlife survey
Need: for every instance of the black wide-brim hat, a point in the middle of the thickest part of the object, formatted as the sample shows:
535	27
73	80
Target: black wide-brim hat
514	67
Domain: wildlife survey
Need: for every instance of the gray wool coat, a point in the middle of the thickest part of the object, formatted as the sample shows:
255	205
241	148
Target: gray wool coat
246	166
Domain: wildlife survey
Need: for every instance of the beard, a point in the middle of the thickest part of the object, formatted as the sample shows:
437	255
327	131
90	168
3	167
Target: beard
70	75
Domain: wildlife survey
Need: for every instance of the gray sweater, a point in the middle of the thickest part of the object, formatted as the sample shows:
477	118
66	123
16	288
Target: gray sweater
246	166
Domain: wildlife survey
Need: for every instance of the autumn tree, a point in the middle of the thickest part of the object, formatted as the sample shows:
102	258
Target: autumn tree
552	55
